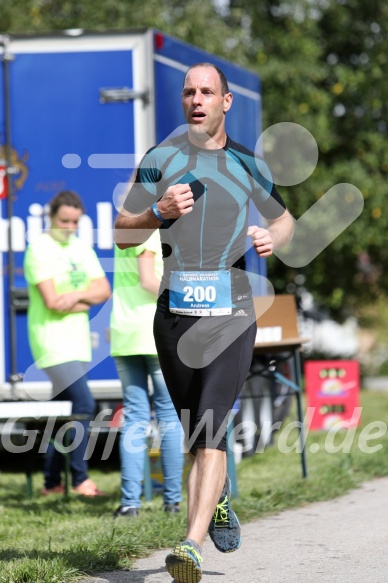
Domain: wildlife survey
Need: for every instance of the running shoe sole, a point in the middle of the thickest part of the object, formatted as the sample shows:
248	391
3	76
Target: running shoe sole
182	567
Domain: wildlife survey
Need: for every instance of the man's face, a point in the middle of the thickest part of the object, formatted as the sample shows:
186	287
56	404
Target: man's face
204	106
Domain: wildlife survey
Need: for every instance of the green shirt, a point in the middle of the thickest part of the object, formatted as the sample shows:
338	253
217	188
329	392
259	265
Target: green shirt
133	307
56	337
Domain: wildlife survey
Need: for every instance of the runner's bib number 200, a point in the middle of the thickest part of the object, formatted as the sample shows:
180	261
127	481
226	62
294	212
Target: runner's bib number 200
200	293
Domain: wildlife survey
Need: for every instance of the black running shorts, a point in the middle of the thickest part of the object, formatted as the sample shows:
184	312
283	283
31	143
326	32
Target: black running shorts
205	361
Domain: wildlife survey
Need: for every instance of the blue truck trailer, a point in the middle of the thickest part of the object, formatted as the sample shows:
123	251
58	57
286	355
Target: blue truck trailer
77	111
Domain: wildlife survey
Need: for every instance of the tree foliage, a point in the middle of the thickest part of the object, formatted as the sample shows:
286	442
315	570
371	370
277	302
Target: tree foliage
322	65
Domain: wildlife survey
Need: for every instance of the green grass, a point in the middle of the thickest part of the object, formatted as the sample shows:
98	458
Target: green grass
51	540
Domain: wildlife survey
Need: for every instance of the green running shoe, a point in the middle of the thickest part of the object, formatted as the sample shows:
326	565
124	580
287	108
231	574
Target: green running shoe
184	564
224	528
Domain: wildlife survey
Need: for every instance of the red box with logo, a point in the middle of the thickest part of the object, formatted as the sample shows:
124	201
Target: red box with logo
332	393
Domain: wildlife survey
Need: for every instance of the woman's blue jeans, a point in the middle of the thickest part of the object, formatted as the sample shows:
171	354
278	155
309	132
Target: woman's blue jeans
133	372
70	384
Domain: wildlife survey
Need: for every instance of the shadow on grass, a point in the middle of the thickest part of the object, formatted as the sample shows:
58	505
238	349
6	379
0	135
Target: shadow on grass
14	496
82	559
93	507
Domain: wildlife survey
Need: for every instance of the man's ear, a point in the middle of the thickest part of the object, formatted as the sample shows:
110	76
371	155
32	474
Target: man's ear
228	99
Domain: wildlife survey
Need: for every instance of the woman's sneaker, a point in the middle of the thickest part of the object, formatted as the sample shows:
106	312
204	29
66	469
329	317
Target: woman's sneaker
172	508
127	511
224	528
184	564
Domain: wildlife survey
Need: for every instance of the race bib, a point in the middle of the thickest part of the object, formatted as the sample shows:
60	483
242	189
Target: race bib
200	293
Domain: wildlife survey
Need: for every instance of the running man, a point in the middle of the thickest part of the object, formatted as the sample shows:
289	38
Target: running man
196	188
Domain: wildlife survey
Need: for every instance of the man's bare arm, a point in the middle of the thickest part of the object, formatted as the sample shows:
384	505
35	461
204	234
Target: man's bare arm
278	233
131	230
281	229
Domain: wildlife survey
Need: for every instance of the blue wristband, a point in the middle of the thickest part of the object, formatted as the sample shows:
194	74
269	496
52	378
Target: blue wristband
156	212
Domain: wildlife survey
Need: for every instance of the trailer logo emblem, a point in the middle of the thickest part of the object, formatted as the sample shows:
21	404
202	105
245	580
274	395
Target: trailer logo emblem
19	166
3	180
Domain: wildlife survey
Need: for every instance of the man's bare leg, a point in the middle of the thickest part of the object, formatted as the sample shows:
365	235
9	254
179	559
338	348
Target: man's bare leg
206	480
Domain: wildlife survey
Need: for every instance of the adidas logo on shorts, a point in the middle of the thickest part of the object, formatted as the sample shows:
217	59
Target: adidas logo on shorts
241	313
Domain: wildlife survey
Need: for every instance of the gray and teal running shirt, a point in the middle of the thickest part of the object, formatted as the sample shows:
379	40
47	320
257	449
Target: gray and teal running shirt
223	181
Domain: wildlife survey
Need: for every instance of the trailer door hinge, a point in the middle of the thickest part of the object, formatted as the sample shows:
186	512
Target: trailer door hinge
122	95
19	299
